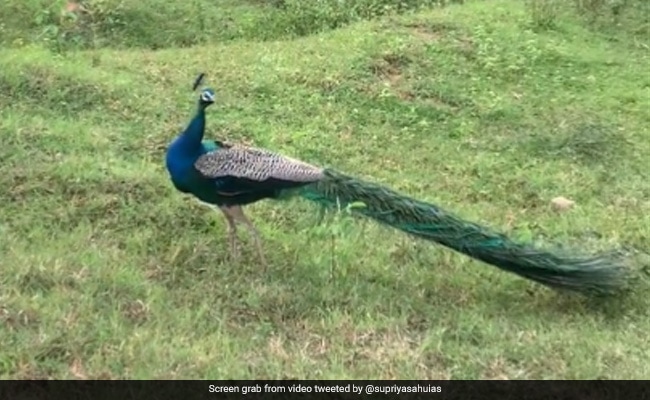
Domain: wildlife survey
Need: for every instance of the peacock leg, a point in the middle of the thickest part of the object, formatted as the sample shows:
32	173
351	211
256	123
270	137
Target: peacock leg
238	213
232	233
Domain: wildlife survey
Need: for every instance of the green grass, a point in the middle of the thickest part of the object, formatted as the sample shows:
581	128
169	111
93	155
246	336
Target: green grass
107	272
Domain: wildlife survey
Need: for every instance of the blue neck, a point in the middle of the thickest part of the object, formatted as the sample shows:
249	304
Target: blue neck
185	149
190	140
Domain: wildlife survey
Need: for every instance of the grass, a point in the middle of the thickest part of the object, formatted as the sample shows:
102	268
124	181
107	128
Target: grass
107	272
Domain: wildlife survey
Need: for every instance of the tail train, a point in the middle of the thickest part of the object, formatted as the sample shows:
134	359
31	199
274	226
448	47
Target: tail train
595	275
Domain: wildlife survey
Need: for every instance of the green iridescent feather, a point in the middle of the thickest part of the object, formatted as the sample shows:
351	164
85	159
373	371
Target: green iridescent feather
600	275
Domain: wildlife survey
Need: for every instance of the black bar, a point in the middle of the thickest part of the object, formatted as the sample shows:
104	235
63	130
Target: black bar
447	390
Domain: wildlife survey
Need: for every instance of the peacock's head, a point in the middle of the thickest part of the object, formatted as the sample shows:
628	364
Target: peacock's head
206	98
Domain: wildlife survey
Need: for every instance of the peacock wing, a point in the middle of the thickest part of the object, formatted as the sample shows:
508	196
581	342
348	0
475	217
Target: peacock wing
256	165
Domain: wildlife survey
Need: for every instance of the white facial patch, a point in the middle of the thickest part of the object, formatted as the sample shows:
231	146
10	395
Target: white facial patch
207	96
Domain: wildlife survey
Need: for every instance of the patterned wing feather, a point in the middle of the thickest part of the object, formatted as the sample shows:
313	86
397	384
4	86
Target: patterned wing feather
256	165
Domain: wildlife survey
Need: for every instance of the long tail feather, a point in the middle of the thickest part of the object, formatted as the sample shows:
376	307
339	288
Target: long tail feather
599	275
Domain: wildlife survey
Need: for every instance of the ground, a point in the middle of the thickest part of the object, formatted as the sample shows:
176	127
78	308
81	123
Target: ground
108	272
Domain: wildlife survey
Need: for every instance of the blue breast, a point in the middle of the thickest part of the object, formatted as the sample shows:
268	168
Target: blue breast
180	165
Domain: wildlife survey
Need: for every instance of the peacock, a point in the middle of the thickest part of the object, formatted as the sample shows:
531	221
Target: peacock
231	176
